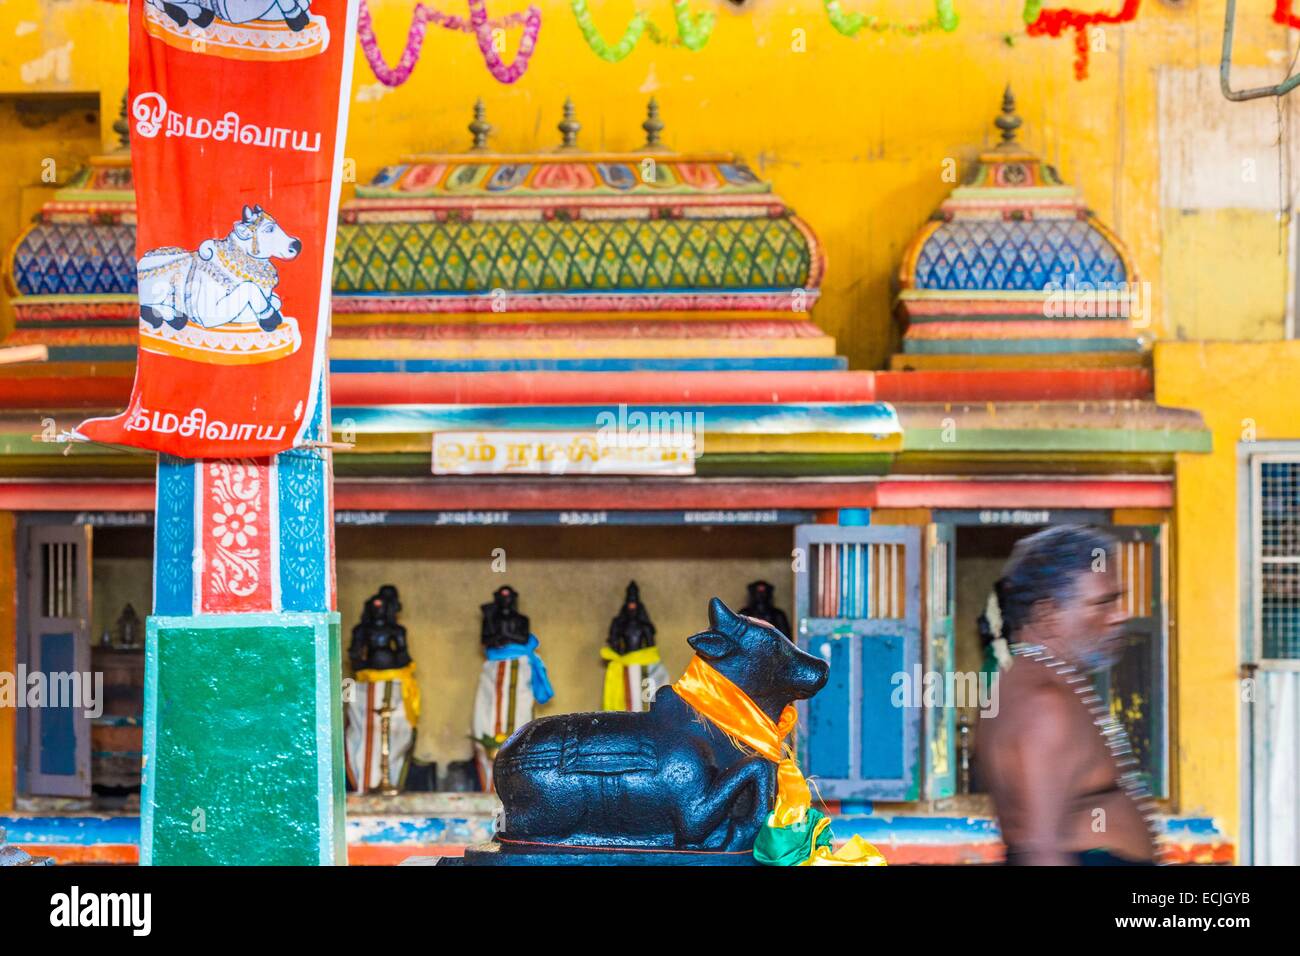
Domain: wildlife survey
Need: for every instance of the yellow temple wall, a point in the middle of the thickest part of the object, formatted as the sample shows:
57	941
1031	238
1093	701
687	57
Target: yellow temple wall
8	659
857	134
1242	390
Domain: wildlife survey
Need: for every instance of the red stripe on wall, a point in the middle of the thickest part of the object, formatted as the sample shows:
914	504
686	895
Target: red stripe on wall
1041	385
641	495
1025	494
579	388
585	388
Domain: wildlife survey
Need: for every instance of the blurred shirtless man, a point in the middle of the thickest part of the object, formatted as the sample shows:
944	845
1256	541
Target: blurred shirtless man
1059	767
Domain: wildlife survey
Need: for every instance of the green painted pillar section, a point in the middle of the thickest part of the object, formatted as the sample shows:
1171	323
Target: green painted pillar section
244	741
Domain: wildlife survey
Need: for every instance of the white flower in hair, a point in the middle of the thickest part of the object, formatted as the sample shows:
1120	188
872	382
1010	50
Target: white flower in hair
993	615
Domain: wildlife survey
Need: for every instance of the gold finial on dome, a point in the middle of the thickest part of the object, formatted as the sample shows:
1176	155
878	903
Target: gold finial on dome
1009	121
653	125
568	126
480	128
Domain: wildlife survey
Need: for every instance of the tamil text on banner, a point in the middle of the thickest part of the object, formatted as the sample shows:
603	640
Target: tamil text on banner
237	110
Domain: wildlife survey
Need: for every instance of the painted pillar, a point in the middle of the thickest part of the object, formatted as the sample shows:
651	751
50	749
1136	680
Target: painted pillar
243	718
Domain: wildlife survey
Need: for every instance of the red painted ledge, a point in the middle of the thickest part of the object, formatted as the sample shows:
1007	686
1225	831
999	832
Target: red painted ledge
578	388
640	494
584	388
1004	385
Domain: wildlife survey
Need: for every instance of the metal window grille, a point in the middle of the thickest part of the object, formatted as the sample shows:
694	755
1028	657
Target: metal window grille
851	580
59	580
939	579
1135	575
1276	546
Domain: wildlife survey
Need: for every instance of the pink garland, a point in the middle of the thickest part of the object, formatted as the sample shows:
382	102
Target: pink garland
478	24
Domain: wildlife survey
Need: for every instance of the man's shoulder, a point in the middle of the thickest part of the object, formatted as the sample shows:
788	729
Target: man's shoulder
1030	687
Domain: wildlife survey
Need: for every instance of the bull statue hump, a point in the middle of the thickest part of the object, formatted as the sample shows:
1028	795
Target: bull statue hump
580	788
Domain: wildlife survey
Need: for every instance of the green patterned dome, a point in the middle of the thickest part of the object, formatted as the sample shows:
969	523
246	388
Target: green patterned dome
572	230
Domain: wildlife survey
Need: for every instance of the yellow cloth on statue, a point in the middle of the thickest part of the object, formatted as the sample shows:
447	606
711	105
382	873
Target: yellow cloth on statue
618	663
410	689
736	715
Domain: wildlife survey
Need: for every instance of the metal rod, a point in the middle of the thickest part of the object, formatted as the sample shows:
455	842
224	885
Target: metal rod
1225	65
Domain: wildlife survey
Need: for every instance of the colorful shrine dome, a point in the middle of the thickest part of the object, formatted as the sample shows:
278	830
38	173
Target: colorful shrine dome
73	269
659	254
650	231
1014	269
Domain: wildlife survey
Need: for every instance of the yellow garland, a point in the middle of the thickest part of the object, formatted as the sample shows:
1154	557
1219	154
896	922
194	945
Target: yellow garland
736	715
645	657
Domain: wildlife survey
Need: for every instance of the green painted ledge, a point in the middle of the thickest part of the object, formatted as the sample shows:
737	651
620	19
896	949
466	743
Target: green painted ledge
1095	440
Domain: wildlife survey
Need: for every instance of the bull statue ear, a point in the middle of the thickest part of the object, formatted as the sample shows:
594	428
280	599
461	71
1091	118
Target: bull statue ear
257	210
724	619
711	645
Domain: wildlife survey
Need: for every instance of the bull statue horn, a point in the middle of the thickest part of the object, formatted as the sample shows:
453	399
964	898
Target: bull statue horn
247	214
722	618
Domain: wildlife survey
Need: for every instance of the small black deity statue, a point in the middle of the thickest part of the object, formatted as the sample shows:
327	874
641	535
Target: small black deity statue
632	629
502	622
761	596
379	642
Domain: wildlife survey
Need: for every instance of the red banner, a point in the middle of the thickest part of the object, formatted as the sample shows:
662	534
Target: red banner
238	110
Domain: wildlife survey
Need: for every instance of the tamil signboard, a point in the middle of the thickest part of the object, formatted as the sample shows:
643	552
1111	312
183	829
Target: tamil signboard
558	453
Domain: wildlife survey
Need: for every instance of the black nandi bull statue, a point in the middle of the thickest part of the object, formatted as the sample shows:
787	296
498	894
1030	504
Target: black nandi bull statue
666	778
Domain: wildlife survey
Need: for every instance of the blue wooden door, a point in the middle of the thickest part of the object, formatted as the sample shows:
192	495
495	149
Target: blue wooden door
857	606
58	631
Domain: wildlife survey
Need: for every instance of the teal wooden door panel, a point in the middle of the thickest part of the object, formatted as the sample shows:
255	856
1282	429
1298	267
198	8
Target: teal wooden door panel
828	751
857	606
940	659
58	572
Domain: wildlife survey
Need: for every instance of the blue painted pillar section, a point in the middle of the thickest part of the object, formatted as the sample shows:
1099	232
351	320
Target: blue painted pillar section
243	716
306	527
854	517
173	542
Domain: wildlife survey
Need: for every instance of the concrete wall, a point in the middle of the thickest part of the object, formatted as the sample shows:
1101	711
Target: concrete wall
856	133
1245	392
570	582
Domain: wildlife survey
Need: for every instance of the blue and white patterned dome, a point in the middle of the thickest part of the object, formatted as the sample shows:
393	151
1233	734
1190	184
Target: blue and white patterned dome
1027	255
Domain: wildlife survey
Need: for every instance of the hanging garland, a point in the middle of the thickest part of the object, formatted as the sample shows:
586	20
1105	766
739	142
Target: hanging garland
1054	22
478	24
849	24
1282	14
692	32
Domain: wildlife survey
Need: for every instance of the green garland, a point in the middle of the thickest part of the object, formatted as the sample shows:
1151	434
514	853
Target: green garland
692	32
945	19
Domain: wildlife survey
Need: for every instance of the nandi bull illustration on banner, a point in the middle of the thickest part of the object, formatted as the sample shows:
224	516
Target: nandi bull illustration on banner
218	304
239	29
